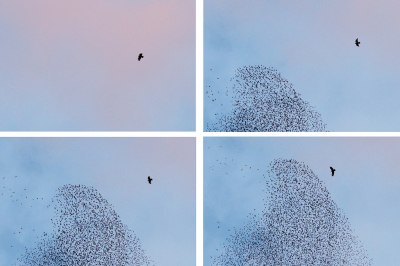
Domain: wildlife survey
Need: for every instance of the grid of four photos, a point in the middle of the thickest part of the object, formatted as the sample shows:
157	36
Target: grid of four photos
184	132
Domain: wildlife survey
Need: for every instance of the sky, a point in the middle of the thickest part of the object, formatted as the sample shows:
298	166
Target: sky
312	45
72	65
161	215
365	185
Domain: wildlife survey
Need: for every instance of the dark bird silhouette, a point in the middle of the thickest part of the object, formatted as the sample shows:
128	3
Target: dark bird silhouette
149	179
140	56
357	42
332	170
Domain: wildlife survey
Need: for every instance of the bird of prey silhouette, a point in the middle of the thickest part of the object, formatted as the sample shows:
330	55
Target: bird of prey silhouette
357	42
332	170
140	56
149	179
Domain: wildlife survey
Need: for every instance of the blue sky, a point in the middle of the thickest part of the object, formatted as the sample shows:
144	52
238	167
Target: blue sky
312	45
162	215
73	66
365	185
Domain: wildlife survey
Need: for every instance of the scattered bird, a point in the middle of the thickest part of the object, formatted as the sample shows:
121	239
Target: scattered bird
357	42
140	56
149	179
332	170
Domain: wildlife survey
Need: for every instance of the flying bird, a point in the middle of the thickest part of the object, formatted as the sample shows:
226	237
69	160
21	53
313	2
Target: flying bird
140	56
149	179
332	170
357	42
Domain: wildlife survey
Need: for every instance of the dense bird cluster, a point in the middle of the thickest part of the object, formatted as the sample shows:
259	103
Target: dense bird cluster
87	231
300	225
263	101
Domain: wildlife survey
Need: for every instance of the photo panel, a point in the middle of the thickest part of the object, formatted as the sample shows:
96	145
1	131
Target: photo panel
98	65
301	201
98	201
284	66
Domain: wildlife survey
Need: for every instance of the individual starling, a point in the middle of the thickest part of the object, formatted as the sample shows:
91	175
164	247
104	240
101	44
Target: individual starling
332	170
140	56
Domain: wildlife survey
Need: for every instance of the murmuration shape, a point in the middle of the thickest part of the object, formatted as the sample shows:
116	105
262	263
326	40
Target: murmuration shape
263	101
300	225
87	231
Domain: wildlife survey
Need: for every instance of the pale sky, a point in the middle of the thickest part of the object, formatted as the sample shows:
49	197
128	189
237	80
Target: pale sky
312	45
162	215
365	185
73	65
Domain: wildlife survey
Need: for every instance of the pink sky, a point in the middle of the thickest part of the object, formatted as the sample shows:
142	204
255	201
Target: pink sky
83	57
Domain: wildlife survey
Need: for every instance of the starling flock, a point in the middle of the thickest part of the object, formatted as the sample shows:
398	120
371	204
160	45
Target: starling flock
87	231
263	101
300	225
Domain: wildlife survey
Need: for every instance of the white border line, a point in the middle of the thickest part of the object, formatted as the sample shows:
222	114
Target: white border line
199	66
199	201
199	132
